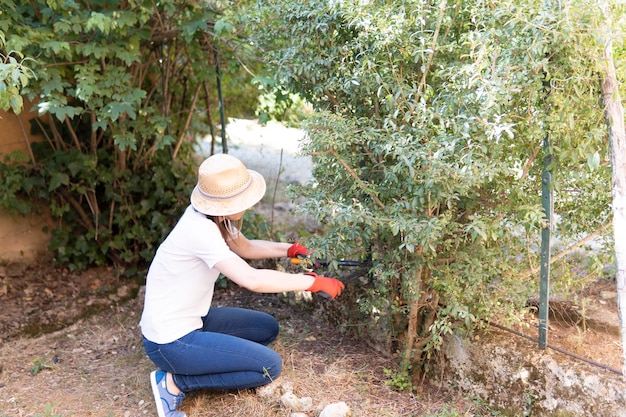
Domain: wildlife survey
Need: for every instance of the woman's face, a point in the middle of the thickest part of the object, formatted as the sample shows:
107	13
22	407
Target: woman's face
236	217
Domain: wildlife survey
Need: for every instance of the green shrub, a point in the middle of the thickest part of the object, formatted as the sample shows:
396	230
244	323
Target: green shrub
122	91
427	141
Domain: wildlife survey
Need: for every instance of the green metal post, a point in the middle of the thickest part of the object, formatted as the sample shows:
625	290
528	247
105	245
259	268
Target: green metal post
218	75
548	208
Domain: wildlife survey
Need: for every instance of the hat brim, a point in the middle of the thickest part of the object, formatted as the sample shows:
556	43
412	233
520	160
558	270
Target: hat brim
227	206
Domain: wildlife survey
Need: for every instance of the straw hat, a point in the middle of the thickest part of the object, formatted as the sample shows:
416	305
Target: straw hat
225	186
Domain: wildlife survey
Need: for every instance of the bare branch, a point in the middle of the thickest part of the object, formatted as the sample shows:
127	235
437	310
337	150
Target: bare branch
188	121
532	271
356	178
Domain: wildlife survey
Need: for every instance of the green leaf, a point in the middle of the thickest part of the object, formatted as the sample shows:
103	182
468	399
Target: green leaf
58	110
58	179
94	49
124	141
63	26
99	21
166	141
16	104
115	109
593	161
57	47
222	27
264	81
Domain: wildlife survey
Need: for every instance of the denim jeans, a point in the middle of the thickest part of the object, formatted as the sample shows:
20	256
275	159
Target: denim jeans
229	352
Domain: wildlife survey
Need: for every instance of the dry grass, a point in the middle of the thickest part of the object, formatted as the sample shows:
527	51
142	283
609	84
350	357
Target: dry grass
97	367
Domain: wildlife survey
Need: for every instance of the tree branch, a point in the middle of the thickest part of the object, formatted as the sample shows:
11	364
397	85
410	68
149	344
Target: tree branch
26	139
356	177
188	121
532	271
442	9
72	132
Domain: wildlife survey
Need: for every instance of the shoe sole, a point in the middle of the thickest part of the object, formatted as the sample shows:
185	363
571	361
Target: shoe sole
156	394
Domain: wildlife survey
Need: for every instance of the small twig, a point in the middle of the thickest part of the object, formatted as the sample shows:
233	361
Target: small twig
442	8
188	121
72	132
531	271
26	139
92	201
50	140
530	162
83	218
208	115
280	167
356	177
56	135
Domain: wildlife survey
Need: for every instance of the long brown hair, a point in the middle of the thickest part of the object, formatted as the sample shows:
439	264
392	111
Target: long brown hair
229	229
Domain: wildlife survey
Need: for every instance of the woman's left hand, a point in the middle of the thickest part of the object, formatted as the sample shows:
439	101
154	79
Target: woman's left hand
297	250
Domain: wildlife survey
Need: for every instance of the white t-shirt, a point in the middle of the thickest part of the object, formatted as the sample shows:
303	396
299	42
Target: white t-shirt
181	278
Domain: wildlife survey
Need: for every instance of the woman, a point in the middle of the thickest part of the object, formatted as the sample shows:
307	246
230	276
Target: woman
198	347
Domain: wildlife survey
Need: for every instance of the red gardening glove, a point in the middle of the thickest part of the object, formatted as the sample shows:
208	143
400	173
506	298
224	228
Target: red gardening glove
297	250
326	287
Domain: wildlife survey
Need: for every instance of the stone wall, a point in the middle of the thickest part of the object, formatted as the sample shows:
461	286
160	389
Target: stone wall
511	374
21	238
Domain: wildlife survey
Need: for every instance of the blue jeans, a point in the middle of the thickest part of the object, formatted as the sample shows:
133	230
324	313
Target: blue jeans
229	352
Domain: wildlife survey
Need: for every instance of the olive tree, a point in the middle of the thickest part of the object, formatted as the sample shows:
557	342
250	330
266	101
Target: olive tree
428	141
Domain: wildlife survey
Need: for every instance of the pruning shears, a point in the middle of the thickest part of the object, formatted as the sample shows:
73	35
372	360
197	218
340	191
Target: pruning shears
306	262
309	264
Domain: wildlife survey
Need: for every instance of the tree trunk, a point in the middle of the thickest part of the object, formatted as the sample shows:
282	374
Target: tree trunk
617	136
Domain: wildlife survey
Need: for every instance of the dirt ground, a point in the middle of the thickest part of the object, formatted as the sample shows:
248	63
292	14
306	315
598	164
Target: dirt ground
71	347
90	361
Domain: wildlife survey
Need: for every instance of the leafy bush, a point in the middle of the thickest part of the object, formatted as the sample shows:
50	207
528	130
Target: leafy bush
122	90
14	76
428	147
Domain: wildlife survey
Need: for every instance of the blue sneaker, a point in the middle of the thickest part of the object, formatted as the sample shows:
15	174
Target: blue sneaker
166	403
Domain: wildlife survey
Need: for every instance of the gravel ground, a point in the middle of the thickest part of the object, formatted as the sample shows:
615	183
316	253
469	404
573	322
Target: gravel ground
262	147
